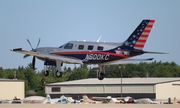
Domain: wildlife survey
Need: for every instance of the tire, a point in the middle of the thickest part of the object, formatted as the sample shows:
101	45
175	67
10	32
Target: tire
101	76
46	73
58	74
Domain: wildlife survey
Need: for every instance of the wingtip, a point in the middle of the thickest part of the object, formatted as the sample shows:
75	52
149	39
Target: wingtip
16	49
150	59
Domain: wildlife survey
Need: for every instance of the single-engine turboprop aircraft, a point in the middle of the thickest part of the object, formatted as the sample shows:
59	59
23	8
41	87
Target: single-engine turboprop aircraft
84	52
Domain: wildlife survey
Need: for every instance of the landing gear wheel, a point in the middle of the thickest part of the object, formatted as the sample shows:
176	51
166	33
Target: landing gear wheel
58	74
46	73
101	76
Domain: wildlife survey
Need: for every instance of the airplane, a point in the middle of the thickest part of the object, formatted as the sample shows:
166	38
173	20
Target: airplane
86	100
145	101
87	52
61	100
107	99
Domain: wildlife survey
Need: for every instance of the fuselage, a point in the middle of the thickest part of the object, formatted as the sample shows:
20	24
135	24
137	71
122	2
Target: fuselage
90	52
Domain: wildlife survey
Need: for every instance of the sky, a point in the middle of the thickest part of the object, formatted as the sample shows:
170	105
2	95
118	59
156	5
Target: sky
59	21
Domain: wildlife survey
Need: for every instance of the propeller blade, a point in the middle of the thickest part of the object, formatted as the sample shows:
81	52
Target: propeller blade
38	42
26	56
33	62
30	44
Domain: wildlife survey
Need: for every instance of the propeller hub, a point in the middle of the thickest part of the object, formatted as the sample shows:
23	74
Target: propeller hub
32	50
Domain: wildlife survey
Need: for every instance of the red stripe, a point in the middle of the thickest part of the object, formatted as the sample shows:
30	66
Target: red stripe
144	35
141	41
87	52
152	21
82	52
146	30
150	26
139	45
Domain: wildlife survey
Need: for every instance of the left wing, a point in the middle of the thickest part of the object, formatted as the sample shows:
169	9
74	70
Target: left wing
54	57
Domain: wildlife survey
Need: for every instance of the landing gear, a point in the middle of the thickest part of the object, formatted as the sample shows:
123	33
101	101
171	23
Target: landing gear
59	71
48	66
58	74
46	72
101	74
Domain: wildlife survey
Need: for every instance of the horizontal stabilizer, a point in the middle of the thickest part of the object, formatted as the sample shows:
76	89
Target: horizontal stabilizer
149	52
148	59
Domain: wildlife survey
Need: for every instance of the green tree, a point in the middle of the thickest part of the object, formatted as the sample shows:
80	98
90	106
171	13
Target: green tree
79	73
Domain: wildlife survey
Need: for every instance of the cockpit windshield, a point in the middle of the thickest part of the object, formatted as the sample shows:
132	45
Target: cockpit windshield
62	45
67	46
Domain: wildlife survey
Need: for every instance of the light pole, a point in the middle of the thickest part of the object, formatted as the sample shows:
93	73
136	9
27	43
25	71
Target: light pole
121	70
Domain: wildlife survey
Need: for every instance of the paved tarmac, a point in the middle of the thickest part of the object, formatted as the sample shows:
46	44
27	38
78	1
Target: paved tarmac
90	105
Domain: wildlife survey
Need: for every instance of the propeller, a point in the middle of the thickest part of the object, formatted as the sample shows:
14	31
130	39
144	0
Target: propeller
32	50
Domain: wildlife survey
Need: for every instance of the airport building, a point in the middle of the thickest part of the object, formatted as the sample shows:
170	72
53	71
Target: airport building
154	88
10	88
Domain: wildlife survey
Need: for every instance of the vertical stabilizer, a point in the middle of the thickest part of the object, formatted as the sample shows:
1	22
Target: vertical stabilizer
139	37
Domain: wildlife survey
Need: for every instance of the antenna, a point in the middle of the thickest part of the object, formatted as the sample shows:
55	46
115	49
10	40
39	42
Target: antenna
98	39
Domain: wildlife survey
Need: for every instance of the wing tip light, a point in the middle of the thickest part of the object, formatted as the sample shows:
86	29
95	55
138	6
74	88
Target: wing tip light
16	49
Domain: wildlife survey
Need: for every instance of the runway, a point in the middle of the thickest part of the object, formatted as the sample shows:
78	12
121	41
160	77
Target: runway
89	105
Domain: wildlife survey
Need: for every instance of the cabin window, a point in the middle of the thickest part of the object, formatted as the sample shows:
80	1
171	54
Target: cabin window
90	47
100	48
81	47
68	46
55	89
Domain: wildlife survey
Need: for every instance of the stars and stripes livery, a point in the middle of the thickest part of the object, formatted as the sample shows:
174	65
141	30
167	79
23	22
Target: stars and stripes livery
87	52
138	38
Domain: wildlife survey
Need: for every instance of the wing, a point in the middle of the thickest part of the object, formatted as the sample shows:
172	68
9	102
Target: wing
100	98
54	57
129	61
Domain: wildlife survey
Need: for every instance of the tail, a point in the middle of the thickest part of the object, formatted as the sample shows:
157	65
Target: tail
48	97
86	100
85	97
138	38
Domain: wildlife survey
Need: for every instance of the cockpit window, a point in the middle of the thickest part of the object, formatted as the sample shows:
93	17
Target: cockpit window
68	46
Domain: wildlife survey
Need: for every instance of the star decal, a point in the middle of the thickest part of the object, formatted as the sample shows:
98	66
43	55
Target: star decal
134	41
127	43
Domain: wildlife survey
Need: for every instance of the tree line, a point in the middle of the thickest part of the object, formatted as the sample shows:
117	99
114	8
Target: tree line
35	80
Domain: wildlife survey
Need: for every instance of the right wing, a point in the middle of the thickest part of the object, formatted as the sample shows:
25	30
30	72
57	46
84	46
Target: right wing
54	57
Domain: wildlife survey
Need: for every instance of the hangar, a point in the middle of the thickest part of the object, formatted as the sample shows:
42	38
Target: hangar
9	88
154	88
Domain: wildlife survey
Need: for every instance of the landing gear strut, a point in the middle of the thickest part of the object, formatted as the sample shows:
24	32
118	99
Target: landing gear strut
101	74
59	71
47	68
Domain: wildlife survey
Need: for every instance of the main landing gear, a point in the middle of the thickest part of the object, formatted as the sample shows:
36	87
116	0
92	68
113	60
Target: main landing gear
58	64
101	73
